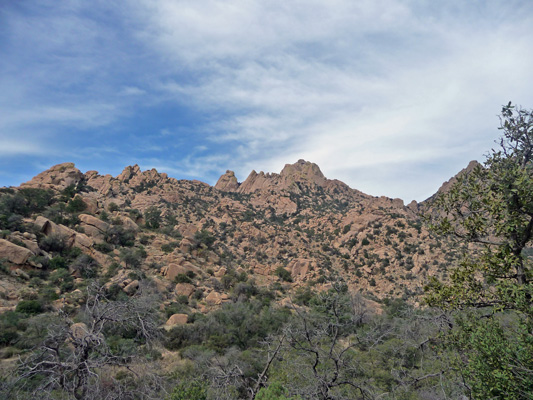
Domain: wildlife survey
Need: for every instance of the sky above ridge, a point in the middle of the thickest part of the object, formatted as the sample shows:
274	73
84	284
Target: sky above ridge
391	97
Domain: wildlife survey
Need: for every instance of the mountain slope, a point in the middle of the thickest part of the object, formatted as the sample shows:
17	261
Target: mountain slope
287	231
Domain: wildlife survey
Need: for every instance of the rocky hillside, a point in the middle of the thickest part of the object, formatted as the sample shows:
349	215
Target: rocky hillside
203	245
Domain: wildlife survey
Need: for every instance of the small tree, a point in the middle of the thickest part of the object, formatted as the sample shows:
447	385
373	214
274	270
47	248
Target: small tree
152	217
73	355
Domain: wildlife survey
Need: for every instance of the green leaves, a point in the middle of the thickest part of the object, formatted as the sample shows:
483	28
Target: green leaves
491	209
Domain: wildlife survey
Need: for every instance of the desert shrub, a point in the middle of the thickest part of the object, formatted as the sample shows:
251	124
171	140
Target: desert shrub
53	243
189	390
241	324
283	274
103	247
61	278
117	235
204	237
169	247
244	290
152	217
132	258
76	205
182	278
104	216
30	307
57	262
85	265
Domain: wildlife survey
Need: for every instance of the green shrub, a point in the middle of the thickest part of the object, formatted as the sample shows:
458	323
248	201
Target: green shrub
275	391
85	265
169	247
190	390
152	217
53	243
30	307
57	262
103	247
283	274
182	278
117	235
204	237
76	205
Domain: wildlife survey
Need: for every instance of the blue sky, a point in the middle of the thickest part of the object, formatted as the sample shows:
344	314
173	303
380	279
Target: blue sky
391	97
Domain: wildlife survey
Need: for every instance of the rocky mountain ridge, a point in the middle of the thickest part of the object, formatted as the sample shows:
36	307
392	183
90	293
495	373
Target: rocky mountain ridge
289	232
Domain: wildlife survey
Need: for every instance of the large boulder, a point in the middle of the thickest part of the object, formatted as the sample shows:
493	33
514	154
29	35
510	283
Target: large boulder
71	237
213	299
89	220
184	289
172	270
13	253
177	319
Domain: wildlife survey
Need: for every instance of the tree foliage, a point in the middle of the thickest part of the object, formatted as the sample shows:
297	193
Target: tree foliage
490	208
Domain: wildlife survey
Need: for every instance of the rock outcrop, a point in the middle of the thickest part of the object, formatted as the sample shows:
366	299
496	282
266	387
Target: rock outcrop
58	177
227	182
13	253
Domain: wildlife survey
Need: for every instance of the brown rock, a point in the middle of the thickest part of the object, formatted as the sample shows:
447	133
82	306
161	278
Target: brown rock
177	319
89	220
172	270
91	205
129	225
132	287
58	177
129	172
71	237
185	289
213	298
13	253
227	182
299	268
79	330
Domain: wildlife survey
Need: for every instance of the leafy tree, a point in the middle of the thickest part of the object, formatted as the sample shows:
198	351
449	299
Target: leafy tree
132	258
491	208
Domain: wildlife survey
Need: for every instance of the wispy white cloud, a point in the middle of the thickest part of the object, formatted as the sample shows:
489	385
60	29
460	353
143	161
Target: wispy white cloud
131	91
377	92
373	85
